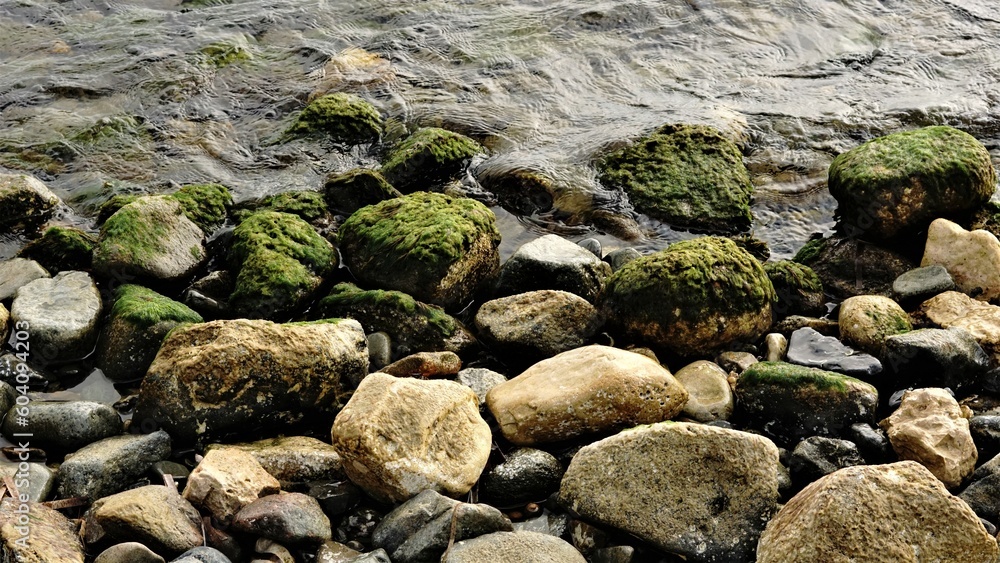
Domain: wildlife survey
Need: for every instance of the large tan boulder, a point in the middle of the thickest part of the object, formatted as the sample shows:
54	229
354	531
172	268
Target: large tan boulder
980	319
154	515
701	492
586	390
971	257
930	428
227	480
876	513
400	436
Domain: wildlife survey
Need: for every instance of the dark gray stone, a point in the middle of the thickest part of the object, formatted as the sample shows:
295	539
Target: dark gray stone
620	257
593	245
177	472
65	425
336	498
552	262
7	396
292	519
527	475
616	554
379	350
985	432
357	526
586	538
849	267
110	465
934	357
817	456
983	493
11	368
377	556
202	555
872	442
807	347
923	283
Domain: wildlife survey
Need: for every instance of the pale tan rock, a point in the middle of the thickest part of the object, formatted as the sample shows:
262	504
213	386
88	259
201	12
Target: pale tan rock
702	492
709	395
400	436
980	319
295	459
154	515
971	257
537	324
876	513
226	480
930	428
867	320
777	346
42	535
586	390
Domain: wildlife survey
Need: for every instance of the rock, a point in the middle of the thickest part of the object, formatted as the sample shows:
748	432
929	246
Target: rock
60	249
936	358
809	348
736	362
293	459
709	395
426	365
897	184
236	376
929	428
923	283
129	552
985	431
971	258
538	324
981	320
511	547
872	442
817	456
618	258
896	512
357	527
554	263
65	426
421	528
849	267
586	390
210	295
292	519
35	533
983	493
867	320
695	297
8	396
593	246
207	205
399	436
150	238
615	554
333	552
18	272
690	176
140	319
225	481
526	475
344	118
826	327
428	157
36	480
717	512
379	351
799	290
437	248
336	498
110	465
354	189
777	347
25	203
307	205
154	515
480	380
788	402
412	326
202	554
280	262
62	312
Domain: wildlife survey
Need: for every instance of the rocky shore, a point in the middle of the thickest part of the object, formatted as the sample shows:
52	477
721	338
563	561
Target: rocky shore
354	375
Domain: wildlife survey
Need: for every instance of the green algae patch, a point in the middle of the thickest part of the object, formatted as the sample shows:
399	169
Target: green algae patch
899	183
61	249
428	157
345	298
799	289
206	205
689	176
357	188
792	376
222	54
345	118
306	204
143	307
810	251
129	231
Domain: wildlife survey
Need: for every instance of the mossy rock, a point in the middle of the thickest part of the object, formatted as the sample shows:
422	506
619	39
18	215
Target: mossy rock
113	204
357	188
60	249
897	184
140	320
437	248
428	157
689	176
787	402
205	204
848	267
222	53
344	118
799	289
521	190
306	204
867	320
986	218
280	261
693	298
25	203
413	326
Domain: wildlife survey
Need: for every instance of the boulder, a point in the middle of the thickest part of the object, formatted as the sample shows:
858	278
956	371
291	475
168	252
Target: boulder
25	203
60	249
695	297
896	512
512	547
717	511
971	258
807	347
899	183
64	426
62	313
207	205
307	205
428	157
437	248
242	375
799	289
293	459
586	390
225	481
18	272
552	262
710	396
291	519
354	189
35	533
154	515
400	436
934	357
108	466
849	267
867	320
954	309
344	118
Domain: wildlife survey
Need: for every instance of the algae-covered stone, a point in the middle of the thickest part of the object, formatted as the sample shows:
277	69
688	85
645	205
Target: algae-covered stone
25	202
61	248
899	183
849	267
307	204
345	118
799	289
867	320
140	319
357	188
437	248
690	176
413	326
427	157
38	534
694	297
787	402
204	204
280	260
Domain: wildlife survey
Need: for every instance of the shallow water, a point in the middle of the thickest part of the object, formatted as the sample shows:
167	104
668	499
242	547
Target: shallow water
141	96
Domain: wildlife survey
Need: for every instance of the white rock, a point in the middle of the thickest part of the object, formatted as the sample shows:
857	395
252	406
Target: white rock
972	258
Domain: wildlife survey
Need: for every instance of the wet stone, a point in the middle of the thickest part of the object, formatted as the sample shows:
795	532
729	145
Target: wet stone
937	358
18	272
735	361
292	519
620	257
226	480
777	346
65	426
51	536
552	262
616	554
983	493
526	475
293	459
817	456
358	525
379	350
709	395
110	465
872	442
809	348
985	432
154	515
40	477
336	498
922	283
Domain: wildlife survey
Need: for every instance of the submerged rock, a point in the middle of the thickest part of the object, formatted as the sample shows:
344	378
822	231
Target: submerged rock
25	203
60	249
345	118
428	157
354	189
971	258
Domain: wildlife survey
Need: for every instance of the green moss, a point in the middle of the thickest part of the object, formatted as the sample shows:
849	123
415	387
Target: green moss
133	235
60	249
221	54
345	296
112	128
285	234
357	188
308	205
430	155
344	117
112	205
810	251
793	275
781	374
205	205
144	307
688	176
